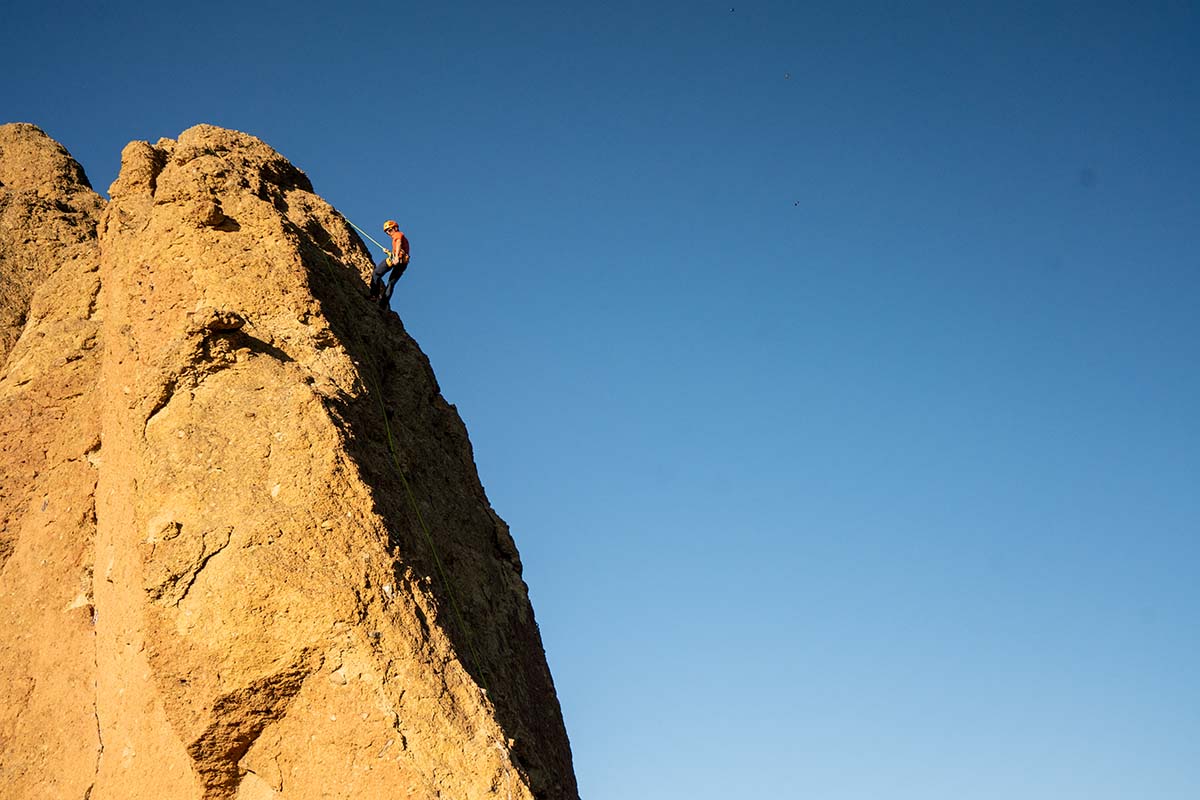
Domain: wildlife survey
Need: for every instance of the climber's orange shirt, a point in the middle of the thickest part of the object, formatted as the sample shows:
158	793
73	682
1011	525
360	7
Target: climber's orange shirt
399	245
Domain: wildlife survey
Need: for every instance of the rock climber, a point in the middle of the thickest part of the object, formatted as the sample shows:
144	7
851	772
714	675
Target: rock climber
396	261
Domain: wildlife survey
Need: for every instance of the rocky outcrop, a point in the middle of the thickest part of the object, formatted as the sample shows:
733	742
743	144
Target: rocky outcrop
48	211
246	553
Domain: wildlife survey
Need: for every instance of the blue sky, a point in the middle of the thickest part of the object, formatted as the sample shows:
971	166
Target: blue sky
835	365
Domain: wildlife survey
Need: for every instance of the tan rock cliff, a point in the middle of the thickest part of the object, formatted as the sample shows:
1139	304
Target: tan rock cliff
218	464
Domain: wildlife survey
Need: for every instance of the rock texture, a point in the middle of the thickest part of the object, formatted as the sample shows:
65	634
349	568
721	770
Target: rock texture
244	551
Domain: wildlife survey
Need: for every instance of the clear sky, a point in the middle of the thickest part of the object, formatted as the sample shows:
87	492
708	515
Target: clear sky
835	365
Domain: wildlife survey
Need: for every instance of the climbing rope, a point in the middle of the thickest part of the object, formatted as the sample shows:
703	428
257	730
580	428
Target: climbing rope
499	744
412	501
437	560
387	250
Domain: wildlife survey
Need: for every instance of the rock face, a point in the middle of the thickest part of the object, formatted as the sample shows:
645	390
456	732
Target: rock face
244	551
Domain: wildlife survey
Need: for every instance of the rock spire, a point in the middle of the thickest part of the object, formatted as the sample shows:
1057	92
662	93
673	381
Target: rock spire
244	550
